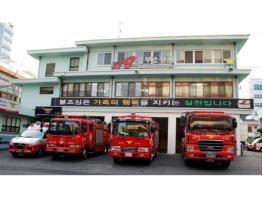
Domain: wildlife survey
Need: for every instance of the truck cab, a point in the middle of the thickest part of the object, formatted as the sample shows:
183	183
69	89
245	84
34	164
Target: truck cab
208	136
76	135
134	137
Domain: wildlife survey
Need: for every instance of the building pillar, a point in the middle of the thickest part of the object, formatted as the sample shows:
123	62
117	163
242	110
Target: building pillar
171	134
238	135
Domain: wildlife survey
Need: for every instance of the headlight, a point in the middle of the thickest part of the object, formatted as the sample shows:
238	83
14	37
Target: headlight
230	149
73	146
115	148
143	149
50	145
190	148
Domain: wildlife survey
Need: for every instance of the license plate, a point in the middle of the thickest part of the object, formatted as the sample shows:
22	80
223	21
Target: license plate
19	151
128	154
210	154
60	149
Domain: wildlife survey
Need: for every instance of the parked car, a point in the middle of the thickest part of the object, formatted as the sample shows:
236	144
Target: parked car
32	141
256	145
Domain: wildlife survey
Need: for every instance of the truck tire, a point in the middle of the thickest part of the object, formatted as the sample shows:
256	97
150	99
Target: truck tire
15	155
40	152
84	153
225	164
116	160
188	162
55	156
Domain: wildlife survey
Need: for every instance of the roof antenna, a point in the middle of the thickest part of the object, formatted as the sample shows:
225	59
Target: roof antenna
119	29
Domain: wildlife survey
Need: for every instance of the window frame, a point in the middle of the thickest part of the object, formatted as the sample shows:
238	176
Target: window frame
13	127
51	74
46	91
104	63
74	68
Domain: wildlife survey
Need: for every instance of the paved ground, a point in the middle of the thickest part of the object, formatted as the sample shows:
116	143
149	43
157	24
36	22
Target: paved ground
249	164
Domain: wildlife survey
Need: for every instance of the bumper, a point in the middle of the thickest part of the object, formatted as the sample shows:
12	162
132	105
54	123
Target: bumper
64	150
134	155
26	150
219	156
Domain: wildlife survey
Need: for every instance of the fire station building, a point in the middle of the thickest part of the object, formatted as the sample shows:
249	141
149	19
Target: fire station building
160	77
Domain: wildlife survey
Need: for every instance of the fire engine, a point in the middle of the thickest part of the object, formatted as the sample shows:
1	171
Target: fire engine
79	135
134	136
32	141
208	136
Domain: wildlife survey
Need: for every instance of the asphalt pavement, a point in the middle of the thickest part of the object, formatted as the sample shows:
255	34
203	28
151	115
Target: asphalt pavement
249	164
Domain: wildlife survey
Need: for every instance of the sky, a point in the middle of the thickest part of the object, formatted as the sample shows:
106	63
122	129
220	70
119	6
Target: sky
41	24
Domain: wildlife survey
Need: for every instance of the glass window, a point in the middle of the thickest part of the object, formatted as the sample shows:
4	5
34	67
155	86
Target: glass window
94	89
207	56
100	60
257	87
46	90
207	89
139	57
228	90
188	56
74	64
131	89
226	54
147	57
152	89
221	89
198	56
106	89
193	90
181	89
124	90
65	90
11	124
82	89
218	56
258	104
121	56
118	89
50	69
101	89
166	89
107	59
156	57
88	89
159	89
257	96
70	89
180	57
76	89
138	89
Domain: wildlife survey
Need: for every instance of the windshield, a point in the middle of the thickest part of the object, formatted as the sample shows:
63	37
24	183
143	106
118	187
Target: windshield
64	128
210	123
132	129
32	133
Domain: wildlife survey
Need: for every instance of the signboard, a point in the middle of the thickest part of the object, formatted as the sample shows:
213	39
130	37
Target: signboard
154	102
8	105
40	111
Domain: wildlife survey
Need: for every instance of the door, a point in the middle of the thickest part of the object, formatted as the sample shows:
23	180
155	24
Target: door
163	133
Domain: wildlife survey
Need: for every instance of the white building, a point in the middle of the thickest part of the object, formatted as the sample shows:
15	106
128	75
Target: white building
6	36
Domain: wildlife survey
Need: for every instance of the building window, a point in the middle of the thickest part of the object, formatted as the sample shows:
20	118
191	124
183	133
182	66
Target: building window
74	64
104	59
50	69
46	90
8	96
204	89
86	89
142	89
11	124
258	96
202	56
258	104
257	87
188	56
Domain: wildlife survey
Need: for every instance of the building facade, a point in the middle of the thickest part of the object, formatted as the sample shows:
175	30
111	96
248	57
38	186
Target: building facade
11	120
6	37
255	89
159	76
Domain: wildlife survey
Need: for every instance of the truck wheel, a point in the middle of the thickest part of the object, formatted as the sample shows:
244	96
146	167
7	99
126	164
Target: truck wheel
188	162
15	155
116	160
225	164
40	152
106	149
156	154
55	156
84	153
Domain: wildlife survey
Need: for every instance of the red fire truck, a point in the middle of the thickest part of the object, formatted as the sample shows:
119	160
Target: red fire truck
76	135
134	136
208	136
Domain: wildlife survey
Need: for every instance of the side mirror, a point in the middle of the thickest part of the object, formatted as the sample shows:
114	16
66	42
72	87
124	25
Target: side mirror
234	123
182	121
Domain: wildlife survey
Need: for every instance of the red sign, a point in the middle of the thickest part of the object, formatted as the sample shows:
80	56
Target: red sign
127	63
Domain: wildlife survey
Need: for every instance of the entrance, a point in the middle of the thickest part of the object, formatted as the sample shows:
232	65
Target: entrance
179	135
163	133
